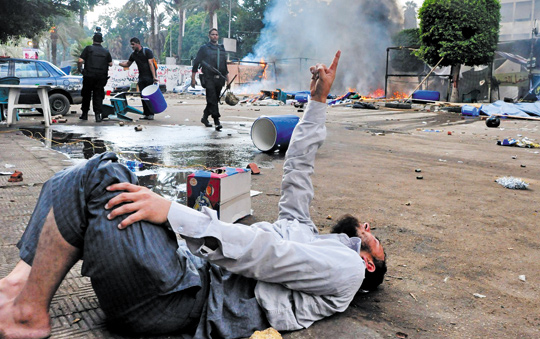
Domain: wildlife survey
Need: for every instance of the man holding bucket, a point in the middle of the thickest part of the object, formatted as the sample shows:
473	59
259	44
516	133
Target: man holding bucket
144	58
222	280
212	57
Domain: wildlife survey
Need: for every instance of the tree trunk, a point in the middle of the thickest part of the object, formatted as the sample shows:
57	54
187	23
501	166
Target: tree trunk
81	17
180	33
54	46
153	29
455	82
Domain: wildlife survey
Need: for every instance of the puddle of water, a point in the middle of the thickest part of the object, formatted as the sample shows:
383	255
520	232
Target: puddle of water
162	157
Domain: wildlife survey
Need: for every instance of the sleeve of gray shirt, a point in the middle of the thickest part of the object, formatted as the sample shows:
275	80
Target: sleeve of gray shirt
296	186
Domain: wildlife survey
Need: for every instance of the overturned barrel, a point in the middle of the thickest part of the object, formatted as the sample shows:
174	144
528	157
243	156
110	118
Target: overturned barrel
271	133
154	99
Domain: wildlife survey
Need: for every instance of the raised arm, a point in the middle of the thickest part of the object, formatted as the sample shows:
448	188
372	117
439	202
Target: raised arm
296	187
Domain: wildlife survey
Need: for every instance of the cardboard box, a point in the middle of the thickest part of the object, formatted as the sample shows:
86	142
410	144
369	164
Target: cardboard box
225	190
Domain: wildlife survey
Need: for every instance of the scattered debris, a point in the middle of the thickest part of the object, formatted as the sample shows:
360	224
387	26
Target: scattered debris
412	295
478	295
138	128
402	335
449	133
269	333
9	165
254	168
522	277
6	173
419	177
121	123
253	193
17	176
512	183
418	170
523	142
329	217
408	203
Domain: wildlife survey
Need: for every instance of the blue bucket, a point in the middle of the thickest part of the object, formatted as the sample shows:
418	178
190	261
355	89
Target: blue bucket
154	99
271	133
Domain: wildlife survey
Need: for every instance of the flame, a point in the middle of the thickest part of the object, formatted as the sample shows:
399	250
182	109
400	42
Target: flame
264	66
353	90
399	95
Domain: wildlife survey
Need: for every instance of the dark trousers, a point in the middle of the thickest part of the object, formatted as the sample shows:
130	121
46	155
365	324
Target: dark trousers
93	88
137	274
143	83
213	90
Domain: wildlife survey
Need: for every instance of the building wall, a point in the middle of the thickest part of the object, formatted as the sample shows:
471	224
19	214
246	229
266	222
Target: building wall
517	19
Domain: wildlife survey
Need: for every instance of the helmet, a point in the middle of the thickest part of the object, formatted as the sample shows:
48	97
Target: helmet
231	99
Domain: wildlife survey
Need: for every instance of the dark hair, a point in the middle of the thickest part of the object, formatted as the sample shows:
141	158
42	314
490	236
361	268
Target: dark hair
98	37
212	29
135	40
348	225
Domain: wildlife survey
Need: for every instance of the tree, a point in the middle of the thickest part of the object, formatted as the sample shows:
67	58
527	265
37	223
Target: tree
248	25
211	6
180	6
410	15
404	60
459	32
28	18
152	41
84	6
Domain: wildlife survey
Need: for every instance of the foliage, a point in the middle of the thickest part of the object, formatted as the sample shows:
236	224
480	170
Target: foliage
461	31
15	20
76	50
405	60
248	25
128	22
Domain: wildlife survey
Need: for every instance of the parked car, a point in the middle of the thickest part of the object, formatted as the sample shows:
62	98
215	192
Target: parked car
65	89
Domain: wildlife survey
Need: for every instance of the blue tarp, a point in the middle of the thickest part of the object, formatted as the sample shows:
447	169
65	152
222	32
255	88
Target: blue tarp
523	109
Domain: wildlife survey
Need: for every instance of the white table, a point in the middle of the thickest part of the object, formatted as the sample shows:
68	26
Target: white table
13	101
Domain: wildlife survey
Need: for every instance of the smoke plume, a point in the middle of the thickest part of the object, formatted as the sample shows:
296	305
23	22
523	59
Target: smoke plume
300	33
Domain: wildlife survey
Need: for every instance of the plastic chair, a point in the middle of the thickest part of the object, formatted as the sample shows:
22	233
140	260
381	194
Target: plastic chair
119	108
4	95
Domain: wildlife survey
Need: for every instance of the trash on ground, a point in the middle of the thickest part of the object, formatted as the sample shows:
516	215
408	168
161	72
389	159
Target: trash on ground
269	333
512	183
17	176
523	142
253	193
9	165
6	173
478	295
522	277
138	128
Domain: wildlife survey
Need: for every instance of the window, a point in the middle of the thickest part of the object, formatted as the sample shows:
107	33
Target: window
4	67
507	12
523	11
42	72
25	69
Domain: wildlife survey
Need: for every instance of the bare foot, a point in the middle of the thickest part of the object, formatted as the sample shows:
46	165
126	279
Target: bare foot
18	322
11	286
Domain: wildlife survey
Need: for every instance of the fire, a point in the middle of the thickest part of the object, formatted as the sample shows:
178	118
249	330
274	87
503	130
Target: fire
399	95
352	90
264	66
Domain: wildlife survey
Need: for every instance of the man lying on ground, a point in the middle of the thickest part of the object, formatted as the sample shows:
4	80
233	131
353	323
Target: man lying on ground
221	281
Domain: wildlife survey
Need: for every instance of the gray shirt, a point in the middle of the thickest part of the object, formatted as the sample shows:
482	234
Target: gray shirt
300	276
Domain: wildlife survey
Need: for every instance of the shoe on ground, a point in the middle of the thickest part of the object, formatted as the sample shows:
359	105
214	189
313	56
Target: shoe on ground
148	117
98	117
84	116
206	122
219	127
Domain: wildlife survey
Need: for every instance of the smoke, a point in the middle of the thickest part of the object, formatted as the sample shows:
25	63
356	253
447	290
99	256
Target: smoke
300	33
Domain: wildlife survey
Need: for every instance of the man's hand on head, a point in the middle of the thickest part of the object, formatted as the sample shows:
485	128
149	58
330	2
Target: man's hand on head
322	79
140	202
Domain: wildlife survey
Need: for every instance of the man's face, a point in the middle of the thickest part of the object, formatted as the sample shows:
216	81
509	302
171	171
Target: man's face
371	246
214	37
135	46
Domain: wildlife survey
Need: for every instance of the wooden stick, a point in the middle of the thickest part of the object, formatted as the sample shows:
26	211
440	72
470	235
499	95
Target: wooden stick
420	84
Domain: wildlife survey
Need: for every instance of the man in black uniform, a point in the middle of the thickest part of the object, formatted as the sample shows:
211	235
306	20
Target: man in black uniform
96	60
144	58
213	60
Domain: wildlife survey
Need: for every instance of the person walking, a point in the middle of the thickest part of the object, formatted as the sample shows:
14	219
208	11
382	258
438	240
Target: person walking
213	60
96	60
144	58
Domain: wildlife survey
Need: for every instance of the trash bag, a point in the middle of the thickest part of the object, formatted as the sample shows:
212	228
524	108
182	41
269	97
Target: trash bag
231	99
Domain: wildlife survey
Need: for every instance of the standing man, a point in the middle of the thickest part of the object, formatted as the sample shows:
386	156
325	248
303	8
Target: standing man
96	60
144	58
213	60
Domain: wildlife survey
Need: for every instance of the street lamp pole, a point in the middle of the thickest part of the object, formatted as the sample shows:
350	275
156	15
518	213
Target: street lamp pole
230	5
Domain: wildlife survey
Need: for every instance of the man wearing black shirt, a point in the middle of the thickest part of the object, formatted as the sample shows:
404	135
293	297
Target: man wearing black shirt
144	58
213	60
96	60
